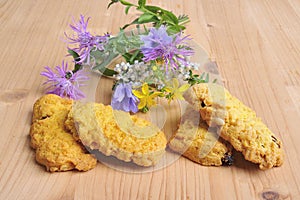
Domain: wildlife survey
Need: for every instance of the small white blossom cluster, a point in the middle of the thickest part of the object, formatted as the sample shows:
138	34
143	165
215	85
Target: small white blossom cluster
140	72
183	71
136	74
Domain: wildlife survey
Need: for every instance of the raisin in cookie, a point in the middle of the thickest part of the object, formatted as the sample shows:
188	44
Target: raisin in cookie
238	124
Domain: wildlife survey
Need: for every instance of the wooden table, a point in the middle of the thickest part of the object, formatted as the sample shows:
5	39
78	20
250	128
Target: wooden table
256	45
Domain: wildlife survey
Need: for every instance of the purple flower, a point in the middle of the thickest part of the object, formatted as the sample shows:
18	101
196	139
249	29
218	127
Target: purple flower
85	40
64	83
172	49
123	99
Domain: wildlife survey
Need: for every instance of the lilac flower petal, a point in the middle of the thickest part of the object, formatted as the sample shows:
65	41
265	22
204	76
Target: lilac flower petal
116	104
125	105
123	99
85	40
133	106
159	45
58	83
119	94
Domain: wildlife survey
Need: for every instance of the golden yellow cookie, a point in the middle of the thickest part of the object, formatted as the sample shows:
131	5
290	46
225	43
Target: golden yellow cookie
201	144
239	124
55	146
116	133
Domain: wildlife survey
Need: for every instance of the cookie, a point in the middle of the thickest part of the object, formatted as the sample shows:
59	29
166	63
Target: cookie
199	143
55	146
238	124
116	133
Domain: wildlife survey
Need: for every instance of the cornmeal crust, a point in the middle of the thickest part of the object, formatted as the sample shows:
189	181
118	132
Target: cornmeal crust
238	124
55	146
196	141
116	133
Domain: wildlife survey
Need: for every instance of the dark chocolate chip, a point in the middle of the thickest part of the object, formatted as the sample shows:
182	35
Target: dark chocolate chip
203	104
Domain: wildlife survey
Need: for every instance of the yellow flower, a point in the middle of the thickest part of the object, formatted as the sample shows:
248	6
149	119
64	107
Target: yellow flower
146	97
176	92
154	68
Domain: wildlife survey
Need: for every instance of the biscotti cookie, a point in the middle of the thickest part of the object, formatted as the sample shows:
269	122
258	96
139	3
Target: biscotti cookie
55	146
238	124
117	133
201	144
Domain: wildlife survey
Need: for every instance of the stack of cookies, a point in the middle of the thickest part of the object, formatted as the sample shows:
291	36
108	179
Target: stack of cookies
62	130
233	122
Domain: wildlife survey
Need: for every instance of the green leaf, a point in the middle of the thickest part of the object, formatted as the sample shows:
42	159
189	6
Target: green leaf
170	16
145	109
146	30
112	2
145	18
127	56
77	67
153	9
183	19
107	72
76	59
74	54
173	29
136	21
125	26
207	78
142	3
127	9
126	3
181	27
135	56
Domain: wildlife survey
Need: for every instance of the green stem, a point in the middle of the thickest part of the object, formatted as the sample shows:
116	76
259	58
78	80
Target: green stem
147	11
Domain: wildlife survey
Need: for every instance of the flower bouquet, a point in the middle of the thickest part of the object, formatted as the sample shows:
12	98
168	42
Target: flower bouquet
156	59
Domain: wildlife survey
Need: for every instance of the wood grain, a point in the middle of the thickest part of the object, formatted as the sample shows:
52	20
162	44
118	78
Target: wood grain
256	45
